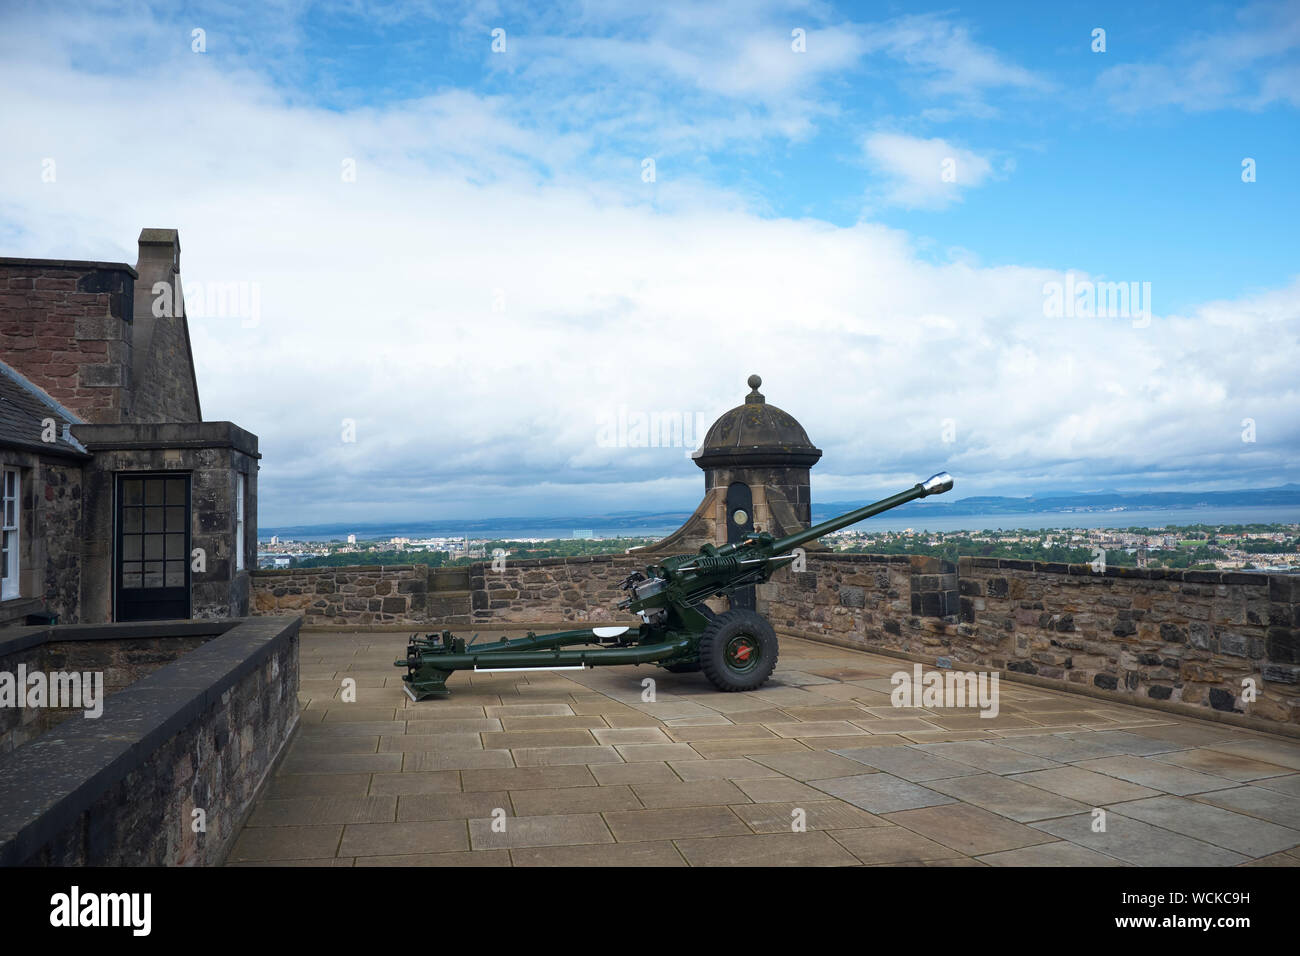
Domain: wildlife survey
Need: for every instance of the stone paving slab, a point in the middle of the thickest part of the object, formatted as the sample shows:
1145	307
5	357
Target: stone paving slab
400	784
384	839
811	766
815	768
881	792
1094	789
1009	798
1280	752
310	811
891	844
988	756
552	830
1050	854
564	756
819	814
1220	764
1139	843
968	829
727	768
908	763
609	775
1257	802
455	858
1289	785
1160	776
697	793
630	826
527	778
456	760
321	785
451	806
600	854
1212	824
775	849
777	790
534	803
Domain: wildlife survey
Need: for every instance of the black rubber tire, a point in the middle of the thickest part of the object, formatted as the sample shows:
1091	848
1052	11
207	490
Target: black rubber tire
722	632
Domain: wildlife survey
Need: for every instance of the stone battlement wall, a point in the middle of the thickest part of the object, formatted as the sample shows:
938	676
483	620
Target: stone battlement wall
1188	637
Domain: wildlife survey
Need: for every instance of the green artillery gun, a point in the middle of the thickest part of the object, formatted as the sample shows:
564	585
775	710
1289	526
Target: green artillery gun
736	649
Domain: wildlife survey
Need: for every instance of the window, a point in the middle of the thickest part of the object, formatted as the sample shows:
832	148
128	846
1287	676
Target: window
239	521
154	524
11	487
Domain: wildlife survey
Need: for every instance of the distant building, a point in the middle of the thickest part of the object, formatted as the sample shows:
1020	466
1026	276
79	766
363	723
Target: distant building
119	501
352	539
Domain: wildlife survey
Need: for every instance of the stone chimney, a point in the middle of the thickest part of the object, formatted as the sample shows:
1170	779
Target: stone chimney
162	363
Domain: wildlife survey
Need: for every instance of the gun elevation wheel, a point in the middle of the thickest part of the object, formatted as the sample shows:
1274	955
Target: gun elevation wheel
738	650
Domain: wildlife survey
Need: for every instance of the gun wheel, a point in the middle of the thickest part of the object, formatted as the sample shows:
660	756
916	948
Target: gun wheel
738	651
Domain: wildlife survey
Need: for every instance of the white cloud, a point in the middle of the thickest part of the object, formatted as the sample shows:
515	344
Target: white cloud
924	173
1251	67
378	305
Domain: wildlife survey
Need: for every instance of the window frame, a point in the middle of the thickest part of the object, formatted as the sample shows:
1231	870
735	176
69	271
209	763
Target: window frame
11	582
241	487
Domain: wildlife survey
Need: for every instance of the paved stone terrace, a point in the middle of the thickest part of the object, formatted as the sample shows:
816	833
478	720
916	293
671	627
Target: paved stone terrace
585	773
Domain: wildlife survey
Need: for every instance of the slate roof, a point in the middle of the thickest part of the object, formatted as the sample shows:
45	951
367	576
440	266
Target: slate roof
23	407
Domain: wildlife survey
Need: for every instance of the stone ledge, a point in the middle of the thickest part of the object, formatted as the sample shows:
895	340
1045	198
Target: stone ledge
48	784
70	264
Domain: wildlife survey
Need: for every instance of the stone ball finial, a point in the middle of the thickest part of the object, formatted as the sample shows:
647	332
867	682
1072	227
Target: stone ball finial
754	397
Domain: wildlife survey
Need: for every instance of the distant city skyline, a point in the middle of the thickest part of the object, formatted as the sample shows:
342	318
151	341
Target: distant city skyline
474	260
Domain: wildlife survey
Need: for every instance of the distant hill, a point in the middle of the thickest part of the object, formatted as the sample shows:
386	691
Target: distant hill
1285	495
633	522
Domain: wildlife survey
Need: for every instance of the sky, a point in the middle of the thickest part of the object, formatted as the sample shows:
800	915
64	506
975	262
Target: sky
468	240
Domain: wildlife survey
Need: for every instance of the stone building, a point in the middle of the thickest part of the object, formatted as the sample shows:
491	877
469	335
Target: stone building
119	501
755	460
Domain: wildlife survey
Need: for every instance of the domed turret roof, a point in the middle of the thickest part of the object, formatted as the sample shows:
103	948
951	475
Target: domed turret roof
756	434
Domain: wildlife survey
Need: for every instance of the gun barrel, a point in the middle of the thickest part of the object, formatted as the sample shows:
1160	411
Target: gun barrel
935	485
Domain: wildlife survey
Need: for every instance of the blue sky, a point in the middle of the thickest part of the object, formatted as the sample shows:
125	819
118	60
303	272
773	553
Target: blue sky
500	276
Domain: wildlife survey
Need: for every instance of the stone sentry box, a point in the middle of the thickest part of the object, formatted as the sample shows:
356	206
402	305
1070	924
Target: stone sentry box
213	454
203	732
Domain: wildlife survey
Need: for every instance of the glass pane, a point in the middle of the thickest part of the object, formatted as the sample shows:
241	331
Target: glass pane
176	491
10	478
131	491
131	547
10	518
131	520
175	518
153	574
153	492
153	519
131	574
176	547
175	574
153	547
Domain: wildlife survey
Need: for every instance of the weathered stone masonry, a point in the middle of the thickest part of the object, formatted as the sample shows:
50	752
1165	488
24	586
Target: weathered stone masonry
1189	637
